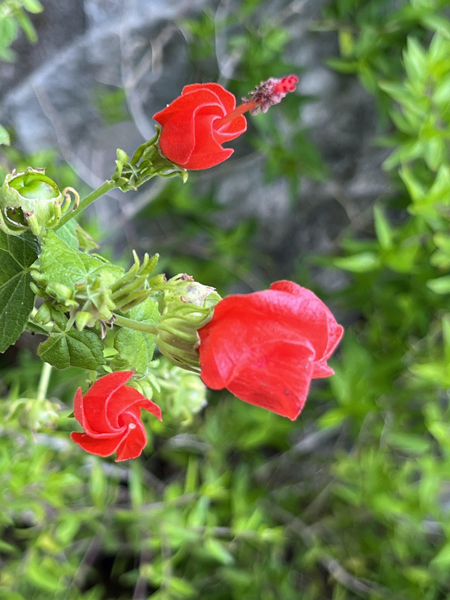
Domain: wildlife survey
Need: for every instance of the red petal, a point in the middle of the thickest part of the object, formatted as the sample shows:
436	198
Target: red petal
276	377
177	138
101	447
124	398
335	331
133	444
321	369
225	97
303	315
96	399
78	408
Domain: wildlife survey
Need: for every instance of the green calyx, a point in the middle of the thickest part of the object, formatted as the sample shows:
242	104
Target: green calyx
146	162
186	306
31	200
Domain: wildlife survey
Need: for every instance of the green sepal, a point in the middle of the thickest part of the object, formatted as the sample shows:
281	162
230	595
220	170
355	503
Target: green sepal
146	162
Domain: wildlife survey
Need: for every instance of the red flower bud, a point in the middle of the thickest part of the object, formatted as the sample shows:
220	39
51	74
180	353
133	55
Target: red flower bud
195	125
266	347
109	413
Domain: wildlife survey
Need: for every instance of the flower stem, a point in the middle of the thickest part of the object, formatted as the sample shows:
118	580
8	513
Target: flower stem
136	325
107	186
44	381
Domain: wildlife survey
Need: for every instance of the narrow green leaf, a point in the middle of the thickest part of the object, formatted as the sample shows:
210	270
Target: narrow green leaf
4	137
16	297
441	285
32	6
382	228
359	263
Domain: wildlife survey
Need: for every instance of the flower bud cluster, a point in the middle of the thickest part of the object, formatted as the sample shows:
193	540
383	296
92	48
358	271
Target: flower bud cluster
98	296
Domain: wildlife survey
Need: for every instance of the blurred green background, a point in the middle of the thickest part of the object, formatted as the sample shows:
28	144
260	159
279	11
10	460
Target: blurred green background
228	501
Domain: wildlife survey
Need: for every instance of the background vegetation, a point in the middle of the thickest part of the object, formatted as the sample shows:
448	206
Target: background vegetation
229	501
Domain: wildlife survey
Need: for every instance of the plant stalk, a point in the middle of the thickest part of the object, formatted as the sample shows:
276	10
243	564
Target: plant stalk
106	187
136	325
44	381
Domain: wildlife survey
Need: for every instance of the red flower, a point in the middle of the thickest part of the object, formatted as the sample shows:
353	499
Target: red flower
266	347
195	125
109	413
192	135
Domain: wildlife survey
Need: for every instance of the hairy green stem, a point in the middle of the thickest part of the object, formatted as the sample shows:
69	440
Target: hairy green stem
136	325
106	187
44	381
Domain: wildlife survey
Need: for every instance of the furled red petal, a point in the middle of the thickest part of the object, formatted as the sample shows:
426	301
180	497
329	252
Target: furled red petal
133	443
124	398
178	136
110	412
95	421
230	130
191	134
225	97
276	377
101	447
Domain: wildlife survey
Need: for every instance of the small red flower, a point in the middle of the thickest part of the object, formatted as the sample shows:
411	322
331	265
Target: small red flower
195	125
109	412
266	347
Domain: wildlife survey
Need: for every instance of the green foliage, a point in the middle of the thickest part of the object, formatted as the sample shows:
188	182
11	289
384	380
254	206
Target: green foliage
229	501
16	296
13	15
4	137
68	347
137	347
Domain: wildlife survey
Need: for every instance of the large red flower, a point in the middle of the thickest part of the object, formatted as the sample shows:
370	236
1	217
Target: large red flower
266	347
192	134
109	413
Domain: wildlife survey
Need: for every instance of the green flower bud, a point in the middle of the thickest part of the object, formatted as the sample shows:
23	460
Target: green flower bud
35	414
31	200
183	288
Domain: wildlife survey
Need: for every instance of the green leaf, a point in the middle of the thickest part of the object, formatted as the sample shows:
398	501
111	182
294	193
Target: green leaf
4	137
441	285
16	296
218	552
359	263
442	558
67	233
71	348
61	263
382	228
135	346
32	6
27	26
